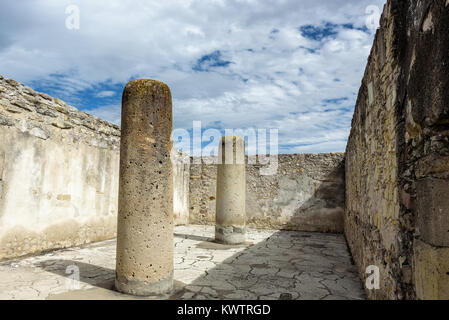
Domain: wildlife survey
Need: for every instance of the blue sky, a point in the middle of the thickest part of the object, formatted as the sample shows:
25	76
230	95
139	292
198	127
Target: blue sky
294	65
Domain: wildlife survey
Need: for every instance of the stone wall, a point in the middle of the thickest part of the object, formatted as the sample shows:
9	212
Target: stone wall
59	174
306	193
397	157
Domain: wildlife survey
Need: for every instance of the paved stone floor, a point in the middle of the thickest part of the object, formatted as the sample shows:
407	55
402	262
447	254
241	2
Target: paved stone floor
272	265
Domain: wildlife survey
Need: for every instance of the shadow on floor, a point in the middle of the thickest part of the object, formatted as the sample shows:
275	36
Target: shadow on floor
102	279
193	237
88	273
288	265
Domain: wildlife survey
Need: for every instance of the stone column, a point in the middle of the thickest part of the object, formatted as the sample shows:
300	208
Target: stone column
145	211
231	192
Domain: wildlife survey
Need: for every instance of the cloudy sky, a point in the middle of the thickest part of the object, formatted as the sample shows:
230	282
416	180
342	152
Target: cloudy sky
294	65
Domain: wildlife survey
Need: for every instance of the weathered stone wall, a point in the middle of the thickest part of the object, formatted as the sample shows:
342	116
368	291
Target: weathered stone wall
397	157
59	174
306	193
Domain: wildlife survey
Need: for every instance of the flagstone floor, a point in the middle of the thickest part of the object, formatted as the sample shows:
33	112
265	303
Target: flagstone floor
286	265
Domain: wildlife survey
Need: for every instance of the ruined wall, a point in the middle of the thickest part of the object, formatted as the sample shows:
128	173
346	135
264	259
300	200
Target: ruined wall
306	193
59	174
397	157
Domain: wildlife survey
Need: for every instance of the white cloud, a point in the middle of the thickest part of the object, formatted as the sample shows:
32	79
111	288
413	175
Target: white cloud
105	94
111	113
272	75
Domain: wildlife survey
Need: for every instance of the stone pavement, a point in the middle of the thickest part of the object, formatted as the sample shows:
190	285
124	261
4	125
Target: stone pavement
272	265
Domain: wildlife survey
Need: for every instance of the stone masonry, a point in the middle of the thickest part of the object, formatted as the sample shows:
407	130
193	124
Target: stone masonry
397	157
59	171
306	193
388	193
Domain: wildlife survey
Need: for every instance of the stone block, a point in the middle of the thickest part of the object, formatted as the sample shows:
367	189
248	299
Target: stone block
431	276
6	121
12	82
433	211
22	104
62	124
433	165
45	96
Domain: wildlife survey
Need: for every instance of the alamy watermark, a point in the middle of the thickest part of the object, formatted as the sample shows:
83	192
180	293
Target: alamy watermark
373	16
72	22
204	146
373	280
73	278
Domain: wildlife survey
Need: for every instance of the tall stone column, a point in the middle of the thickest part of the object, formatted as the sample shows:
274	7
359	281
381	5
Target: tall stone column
231	192
145	211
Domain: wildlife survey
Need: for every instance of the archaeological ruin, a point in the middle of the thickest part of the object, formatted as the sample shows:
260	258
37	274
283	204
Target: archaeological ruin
130	216
145	204
230	217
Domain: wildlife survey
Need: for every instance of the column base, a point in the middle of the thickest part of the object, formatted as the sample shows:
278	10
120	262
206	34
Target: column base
230	235
143	288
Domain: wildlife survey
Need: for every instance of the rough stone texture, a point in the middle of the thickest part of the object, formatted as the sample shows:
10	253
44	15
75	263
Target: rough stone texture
59	171
306	193
397	157
145	207
277	265
231	192
433	214
430	266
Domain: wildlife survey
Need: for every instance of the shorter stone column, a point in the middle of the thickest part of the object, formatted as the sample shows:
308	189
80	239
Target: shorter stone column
231	192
